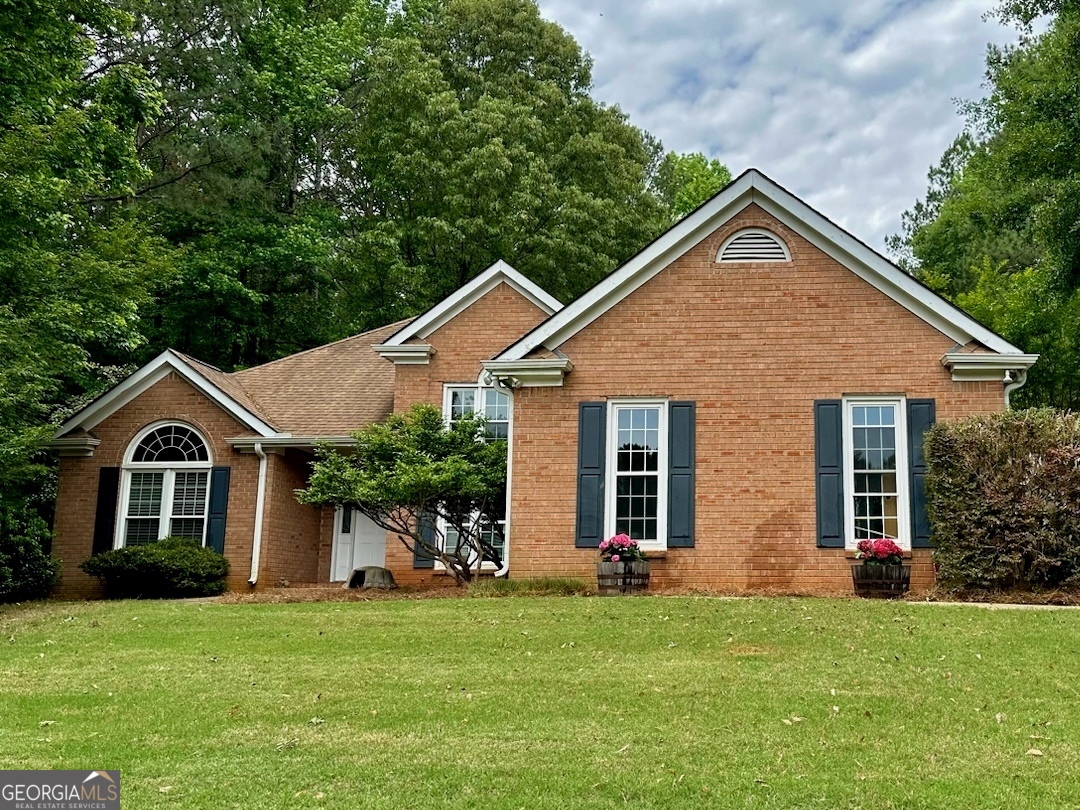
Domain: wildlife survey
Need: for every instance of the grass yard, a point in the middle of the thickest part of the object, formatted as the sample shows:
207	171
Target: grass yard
533	702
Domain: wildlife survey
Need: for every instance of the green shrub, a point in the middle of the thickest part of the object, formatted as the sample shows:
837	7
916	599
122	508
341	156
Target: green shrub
26	571
1003	495
176	567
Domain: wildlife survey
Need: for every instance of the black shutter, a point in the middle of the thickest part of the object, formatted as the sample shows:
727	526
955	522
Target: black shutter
592	427
829	457
427	533
219	506
108	490
681	475
920	416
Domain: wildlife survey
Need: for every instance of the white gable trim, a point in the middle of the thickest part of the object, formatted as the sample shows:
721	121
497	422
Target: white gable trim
462	299
754	187
142	380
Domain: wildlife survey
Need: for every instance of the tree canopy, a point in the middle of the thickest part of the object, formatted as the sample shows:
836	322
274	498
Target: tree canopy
75	265
999	230
418	477
244	179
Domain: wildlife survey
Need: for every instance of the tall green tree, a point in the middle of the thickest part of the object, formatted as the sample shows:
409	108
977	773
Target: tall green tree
74	265
1006	198
685	181
243	165
480	141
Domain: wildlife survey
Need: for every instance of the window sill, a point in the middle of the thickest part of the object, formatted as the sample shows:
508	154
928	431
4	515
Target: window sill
851	553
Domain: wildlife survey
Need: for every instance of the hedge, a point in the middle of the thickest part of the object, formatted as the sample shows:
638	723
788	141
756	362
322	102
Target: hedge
173	568
1003	496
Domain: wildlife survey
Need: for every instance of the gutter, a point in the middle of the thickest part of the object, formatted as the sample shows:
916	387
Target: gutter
260	502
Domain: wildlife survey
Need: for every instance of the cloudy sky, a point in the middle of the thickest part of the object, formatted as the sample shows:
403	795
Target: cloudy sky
847	104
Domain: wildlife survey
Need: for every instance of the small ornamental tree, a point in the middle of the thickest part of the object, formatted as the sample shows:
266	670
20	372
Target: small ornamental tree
413	470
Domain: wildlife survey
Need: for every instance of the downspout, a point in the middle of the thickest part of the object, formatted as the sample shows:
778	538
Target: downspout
1010	386
500	385
260	500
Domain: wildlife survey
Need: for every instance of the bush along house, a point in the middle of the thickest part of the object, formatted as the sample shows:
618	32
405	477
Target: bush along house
746	397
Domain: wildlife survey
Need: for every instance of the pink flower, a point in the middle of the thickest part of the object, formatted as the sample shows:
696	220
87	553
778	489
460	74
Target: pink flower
614	557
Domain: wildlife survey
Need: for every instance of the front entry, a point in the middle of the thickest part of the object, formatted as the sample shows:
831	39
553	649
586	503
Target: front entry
358	542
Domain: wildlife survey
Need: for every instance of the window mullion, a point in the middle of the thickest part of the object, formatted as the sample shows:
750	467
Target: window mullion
167	484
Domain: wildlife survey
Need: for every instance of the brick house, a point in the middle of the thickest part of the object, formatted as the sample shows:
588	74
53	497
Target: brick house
746	396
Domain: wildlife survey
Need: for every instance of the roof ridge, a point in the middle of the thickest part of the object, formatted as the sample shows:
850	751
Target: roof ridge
397	324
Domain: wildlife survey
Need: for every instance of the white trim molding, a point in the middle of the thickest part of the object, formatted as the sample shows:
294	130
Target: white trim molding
534	373
74	446
980	366
407	354
753	187
900	470
462	299
273	444
143	379
611	496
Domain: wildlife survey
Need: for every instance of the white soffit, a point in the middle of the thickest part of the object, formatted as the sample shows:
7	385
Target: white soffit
462	299
754	187
147	376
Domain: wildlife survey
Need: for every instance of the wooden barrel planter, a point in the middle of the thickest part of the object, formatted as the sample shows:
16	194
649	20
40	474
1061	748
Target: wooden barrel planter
881	581
615	578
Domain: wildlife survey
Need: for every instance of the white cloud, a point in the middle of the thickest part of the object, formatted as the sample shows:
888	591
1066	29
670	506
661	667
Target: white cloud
846	104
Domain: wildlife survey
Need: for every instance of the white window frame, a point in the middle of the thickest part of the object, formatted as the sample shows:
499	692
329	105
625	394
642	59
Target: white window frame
903	496
169	470
480	387
662	466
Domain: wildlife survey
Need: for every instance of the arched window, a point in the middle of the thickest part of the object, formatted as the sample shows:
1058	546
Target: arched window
165	486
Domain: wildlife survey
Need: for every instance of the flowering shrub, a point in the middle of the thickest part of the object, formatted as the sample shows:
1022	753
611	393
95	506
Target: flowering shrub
620	548
880	552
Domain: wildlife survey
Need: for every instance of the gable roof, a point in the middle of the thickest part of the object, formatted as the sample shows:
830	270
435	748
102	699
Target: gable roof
451	306
199	375
328	391
753	187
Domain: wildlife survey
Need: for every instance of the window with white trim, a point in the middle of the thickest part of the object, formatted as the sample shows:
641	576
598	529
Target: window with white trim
876	470
637	467
165	486
494	406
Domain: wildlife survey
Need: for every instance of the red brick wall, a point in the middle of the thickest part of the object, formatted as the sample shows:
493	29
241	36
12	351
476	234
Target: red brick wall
175	399
292	532
477	334
753	345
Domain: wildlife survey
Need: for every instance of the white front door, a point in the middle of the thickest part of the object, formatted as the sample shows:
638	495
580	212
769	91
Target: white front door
358	542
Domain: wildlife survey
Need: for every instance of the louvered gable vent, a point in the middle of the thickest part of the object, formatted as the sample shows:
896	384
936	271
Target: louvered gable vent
753	246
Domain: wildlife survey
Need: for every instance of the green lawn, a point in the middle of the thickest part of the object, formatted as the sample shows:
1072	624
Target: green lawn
550	703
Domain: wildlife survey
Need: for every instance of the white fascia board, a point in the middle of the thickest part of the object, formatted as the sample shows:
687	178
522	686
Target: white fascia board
406	354
75	447
247	444
462	299
974	367
147	376
874	268
754	187
535	373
